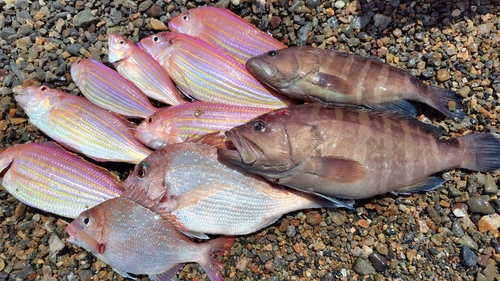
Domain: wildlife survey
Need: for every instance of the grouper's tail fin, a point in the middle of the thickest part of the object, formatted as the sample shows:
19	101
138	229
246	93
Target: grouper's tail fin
447	102
484	152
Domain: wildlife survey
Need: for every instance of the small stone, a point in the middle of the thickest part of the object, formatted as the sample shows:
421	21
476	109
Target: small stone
313	4
19	211
74	49
2	264
290	231
363	267
378	261
482	260
339	4
455	13
158	25
55	244
480	204
242	264
264	256
457	229
313	218
381	21
491	271
17	120
489	222
337	217
145	5
319	246
155	11
468	242
467	257
464	91
84	18
275	22
22	43
25	272
490	186
460	210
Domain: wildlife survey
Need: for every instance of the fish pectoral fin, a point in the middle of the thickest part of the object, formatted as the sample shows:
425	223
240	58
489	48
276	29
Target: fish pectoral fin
401	106
195	234
334	83
427	185
167	275
172	219
337	169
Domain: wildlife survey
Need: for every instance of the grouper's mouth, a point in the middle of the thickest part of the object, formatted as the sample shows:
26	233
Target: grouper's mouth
245	152
260	67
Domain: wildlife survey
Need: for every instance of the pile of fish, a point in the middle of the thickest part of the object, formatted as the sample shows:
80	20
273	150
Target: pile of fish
238	145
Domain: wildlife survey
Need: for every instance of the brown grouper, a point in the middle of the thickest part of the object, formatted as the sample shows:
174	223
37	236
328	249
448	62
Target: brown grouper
313	74
354	153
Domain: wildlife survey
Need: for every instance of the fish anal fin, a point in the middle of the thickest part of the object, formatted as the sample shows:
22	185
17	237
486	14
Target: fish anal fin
337	169
401	106
334	83
430	184
167	275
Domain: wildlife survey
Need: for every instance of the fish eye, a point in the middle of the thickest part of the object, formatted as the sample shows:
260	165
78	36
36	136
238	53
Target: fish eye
272	53
86	221
121	42
149	120
156	39
44	88
141	172
185	17
259	126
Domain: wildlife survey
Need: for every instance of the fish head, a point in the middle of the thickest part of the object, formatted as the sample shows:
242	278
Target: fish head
281	69
78	70
37	100
187	22
158	45
148	177
264	145
119	48
156	132
88	230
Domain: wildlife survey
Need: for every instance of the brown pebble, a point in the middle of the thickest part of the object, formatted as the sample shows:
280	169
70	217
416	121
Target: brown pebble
269	265
444	203
443	75
313	218
3	125
295	222
19	211
363	223
482	260
275	22
17	120
489	222
298	248
2	264
452	105
158	25
242	264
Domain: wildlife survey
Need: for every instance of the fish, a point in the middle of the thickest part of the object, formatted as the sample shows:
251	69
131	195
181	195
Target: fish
186	184
141	69
176	124
354	153
81	126
313	74
134	240
224	29
108	89
48	177
205	73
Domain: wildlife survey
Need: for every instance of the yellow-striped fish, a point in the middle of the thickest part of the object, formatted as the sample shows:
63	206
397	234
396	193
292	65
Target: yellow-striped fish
78	124
205	73
47	177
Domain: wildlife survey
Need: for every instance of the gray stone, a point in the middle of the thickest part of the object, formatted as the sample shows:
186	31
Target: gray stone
84	18
55	244
290	231
25	272
480	204
302	34
115	15
381	21
457	229
363	267
145	5
467	257
74	49
264	256
490	186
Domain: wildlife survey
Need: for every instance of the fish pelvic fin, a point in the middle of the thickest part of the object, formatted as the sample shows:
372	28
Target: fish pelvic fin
167	275
484	151
430	184
446	102
211	265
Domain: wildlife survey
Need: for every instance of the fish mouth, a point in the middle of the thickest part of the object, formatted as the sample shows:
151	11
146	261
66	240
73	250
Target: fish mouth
259	67
71	231
247	152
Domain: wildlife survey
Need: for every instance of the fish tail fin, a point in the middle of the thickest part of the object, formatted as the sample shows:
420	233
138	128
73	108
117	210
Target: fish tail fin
211	265
447	102
484	152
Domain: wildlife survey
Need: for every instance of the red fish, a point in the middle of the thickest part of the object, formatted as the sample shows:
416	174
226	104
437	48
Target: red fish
133	239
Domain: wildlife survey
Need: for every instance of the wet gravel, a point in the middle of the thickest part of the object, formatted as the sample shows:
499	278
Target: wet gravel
447	234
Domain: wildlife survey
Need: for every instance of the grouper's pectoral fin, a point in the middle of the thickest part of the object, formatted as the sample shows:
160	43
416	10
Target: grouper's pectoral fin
336	169
334	83
427	185
401	106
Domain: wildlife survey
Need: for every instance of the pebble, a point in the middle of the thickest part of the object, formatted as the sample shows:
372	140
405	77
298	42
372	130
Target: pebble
290	231
158	25
378	261
55	244
457	229
381	21
443	75
489	222
363	267
480	204
467	257
84	18
490	186
313	218
339	4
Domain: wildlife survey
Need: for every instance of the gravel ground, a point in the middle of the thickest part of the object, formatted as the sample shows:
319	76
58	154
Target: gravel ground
447	234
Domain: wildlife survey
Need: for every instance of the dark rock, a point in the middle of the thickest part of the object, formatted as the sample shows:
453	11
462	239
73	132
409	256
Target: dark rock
378	261
381	21
467	257
457	229
74	49
84	18
25	272
115	15
264	256
313	4
155	11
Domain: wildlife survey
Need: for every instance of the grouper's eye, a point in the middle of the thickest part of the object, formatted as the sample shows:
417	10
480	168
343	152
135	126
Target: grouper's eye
259	126
272	53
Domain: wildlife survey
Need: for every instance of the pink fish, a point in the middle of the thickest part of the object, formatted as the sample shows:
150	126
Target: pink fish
178	123
204	72
78	124
187	184
108	89
140	68
222	28
133	239
47	177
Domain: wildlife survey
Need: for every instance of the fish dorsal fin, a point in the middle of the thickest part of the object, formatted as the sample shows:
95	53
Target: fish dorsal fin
336	169
427	185
167	275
